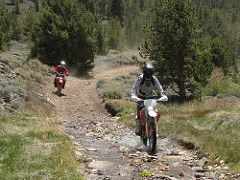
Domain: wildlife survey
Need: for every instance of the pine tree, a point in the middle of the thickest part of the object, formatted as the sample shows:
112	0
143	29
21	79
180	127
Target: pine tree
170	42
202	64
66	30
222	56
117	10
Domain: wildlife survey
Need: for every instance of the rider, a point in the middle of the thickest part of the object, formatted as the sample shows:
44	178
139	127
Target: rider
61	69
143	88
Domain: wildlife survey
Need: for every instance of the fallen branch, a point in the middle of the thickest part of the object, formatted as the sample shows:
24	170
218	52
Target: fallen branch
9	108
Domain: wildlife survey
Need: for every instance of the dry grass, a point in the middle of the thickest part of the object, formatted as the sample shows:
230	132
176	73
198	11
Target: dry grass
118	88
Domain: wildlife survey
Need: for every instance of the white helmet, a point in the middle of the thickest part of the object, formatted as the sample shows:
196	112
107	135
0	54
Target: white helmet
63	63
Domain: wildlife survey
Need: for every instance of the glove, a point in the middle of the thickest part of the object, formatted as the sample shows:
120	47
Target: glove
135	99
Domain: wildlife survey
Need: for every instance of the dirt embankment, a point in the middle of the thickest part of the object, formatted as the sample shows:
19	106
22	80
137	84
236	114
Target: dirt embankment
112	151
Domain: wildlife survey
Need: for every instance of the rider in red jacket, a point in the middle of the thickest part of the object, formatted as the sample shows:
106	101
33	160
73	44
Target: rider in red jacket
61	69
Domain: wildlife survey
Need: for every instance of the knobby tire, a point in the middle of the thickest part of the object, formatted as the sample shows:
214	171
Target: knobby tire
153	138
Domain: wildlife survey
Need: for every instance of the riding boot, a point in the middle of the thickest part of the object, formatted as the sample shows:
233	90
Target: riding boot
138	131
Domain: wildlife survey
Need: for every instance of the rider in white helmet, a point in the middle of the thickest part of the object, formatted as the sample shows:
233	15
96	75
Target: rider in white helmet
143	88
62	70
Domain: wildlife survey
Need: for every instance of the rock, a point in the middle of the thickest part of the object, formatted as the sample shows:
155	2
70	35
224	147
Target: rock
210	168
133	155
78	154
199	169
225	168
91	149
218	168
152	157
94	171
108	137
101	165
140	149
222	177
177	164
181	174
139	161
222	162
107	178
202	162
163	177
123	149
199	175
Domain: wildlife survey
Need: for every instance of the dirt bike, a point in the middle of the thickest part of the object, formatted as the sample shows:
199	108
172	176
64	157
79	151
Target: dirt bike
149	126
60	82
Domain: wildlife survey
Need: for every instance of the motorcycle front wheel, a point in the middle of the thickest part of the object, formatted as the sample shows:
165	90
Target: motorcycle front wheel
143	136
59	89
152	138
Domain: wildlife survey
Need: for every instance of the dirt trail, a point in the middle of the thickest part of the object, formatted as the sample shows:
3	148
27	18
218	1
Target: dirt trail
110	150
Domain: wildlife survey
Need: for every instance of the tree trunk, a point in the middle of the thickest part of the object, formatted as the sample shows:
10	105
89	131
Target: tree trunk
21	1
37	5
17	6
182	93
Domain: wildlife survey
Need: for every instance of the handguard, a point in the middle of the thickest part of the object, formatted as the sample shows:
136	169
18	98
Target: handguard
164	98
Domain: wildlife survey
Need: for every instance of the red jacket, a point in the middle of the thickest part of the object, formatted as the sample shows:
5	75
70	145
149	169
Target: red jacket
61	69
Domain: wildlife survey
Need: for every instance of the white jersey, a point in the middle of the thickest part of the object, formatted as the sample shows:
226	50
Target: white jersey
145	89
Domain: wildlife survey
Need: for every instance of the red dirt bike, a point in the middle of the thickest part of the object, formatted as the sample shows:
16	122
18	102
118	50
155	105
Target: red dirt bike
149	122
60	82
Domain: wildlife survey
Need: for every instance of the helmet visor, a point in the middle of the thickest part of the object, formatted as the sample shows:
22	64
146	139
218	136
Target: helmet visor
148	73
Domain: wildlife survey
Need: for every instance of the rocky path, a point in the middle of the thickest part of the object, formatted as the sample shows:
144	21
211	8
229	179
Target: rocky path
112	151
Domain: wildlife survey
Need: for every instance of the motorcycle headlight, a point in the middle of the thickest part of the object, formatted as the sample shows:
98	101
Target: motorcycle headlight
150	108
152	114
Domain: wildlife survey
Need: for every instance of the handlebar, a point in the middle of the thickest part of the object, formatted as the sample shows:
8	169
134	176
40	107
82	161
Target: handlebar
60	74
161	99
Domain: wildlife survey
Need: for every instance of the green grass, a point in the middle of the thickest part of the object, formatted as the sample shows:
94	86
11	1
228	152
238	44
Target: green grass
146	174
31	151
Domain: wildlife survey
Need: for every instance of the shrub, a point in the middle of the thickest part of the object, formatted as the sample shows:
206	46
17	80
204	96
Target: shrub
100	83
225	87
66	30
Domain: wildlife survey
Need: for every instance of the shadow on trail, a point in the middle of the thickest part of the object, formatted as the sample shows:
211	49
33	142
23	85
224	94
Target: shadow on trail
60	95
81	73
85	76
